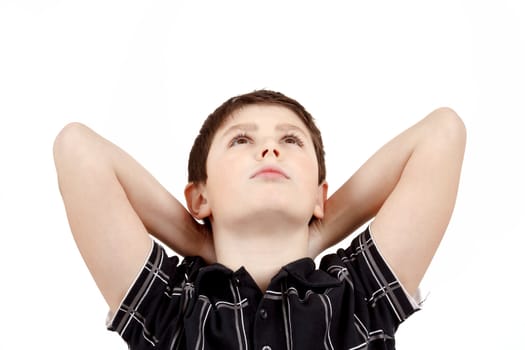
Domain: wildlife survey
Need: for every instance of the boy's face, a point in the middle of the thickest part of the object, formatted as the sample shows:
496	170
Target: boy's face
262	160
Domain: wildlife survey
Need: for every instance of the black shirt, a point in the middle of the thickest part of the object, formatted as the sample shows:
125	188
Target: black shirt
353	301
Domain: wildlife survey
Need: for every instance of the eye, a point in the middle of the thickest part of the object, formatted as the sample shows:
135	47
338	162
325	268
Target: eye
240	139
293	139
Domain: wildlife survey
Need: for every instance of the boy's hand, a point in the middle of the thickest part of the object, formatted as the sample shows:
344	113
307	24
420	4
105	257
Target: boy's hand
207	248
315	238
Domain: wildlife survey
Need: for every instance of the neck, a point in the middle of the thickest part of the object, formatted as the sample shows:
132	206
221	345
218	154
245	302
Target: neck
262	247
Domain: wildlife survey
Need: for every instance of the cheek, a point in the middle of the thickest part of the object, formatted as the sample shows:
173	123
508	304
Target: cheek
223	178
310	170
223	167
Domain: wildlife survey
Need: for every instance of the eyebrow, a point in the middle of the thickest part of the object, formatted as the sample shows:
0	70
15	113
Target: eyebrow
254	127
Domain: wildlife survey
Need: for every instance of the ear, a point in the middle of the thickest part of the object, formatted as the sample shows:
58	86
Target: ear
196	200
322	192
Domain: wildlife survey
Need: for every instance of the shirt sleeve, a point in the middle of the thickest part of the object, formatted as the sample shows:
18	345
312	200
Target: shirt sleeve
385	297
150	306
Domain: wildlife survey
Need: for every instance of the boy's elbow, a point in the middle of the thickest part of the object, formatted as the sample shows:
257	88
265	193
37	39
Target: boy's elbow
450	125
67	138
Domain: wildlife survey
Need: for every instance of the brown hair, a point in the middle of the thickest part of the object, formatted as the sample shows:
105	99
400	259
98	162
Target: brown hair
201	146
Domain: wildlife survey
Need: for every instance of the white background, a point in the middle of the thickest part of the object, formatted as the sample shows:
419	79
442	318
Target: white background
146	74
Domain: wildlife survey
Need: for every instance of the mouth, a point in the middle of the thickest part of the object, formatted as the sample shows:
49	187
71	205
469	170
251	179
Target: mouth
270	173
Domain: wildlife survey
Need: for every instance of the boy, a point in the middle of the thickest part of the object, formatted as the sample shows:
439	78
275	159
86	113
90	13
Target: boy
257	180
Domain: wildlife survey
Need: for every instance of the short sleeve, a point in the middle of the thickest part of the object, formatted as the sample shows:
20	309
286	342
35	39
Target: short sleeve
377	282
150	306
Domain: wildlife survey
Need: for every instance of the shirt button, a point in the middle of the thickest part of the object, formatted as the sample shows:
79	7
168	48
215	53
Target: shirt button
267	347
264	315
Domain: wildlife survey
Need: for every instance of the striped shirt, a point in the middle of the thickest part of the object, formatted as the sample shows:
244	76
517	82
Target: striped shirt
353	301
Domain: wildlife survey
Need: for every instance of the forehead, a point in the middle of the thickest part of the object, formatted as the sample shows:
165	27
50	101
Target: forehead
261	115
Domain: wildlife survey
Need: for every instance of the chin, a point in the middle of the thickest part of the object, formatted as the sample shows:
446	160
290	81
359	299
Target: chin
277	211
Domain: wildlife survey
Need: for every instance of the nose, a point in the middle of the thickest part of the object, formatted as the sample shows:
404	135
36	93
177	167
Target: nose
268	147
268	151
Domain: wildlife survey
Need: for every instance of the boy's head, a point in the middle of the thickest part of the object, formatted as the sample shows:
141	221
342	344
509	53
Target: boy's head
197	171
259	131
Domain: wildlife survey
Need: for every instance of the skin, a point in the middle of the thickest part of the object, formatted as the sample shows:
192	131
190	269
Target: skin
253	217
408	187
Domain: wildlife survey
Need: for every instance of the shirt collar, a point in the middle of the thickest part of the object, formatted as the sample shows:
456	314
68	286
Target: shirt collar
301	271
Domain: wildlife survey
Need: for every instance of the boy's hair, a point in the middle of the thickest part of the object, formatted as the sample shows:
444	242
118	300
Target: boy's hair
199	153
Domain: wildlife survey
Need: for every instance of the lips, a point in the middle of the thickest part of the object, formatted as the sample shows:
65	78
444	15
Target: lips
269	171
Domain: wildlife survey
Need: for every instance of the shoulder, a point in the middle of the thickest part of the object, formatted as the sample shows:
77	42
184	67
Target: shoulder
160	274
363	270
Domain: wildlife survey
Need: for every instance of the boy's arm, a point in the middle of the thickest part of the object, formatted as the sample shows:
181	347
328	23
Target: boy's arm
112	203
410	186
